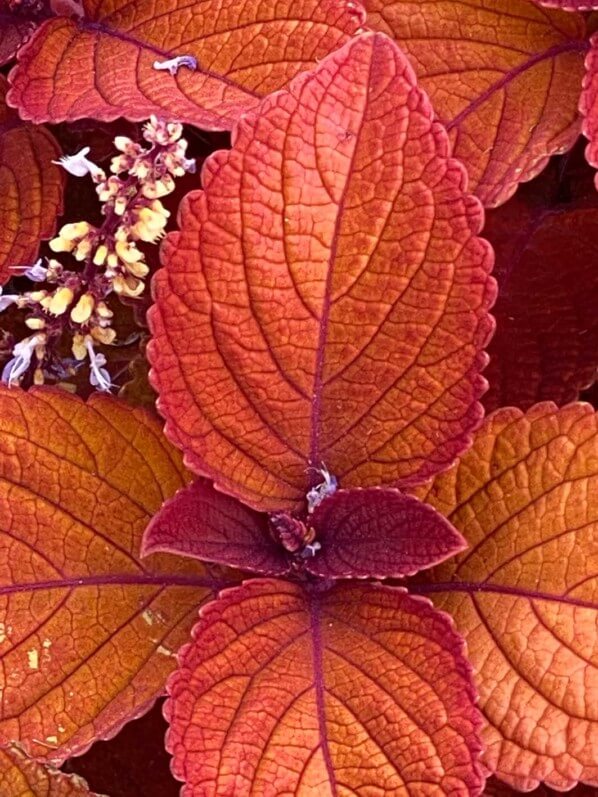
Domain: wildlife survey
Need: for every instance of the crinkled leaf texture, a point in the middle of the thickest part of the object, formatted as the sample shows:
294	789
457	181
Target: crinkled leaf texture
30	188
326	299
525	593
504	76
379	533
358	690
546	341
87	631
589	103
102	66
21	776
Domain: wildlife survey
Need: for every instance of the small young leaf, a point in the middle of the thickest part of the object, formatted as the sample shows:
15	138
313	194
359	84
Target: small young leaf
21	776
206	524
379	533
546	341
30	188
358	690
87	631
326	300
525	593
114	61
504	77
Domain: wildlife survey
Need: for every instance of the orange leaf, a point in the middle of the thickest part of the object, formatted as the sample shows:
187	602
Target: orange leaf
114	61
504	77
326	298
525	594
30	188
87	632
21	776
358	690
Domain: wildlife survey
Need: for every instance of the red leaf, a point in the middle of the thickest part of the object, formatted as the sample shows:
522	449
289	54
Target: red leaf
494	788
569	5
379	533
358	690
504	77
87	631
208	525
102	66
326	298
30	188
525	593
546	343
21	776
588	104
14	31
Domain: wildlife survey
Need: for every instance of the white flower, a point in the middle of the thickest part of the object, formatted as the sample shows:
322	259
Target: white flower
317	494
79	164
174	64
98	375
6	301
23	351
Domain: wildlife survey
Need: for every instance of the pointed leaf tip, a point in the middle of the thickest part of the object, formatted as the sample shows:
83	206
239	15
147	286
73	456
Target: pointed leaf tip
359	690
326	300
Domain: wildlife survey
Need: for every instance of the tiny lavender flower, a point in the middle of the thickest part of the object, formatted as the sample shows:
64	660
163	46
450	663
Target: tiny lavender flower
74	303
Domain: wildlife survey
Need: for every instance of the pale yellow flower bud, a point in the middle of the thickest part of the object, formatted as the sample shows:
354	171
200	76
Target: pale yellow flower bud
35	323
61	245
137	269
103	311
60	300
82	311
105	335
78	348
128	252
100	255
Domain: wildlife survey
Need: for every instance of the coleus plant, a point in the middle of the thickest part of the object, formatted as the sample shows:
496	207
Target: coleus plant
395	598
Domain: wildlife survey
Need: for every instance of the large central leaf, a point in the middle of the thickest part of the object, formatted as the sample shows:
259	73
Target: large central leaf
326	298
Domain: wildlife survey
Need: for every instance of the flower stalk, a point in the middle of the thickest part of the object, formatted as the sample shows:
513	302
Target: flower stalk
71	304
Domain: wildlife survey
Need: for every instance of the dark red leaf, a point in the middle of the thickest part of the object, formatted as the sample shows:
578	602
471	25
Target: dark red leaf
379	533
546	341
206	524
